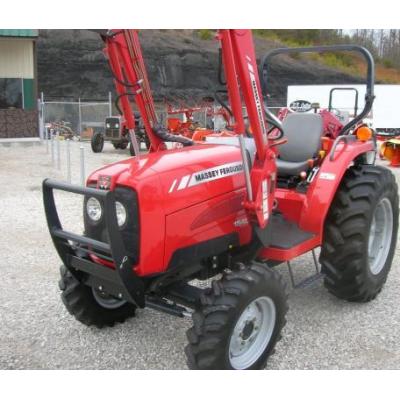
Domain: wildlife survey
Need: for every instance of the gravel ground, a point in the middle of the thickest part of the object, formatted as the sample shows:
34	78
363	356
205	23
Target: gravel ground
38	333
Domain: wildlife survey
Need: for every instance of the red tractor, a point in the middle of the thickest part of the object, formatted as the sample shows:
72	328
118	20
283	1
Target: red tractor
116	132
156	222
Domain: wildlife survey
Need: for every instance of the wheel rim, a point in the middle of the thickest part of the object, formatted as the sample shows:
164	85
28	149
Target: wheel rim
252	333
380	236
107	301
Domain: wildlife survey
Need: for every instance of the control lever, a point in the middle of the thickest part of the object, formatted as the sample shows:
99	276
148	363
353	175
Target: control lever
278	142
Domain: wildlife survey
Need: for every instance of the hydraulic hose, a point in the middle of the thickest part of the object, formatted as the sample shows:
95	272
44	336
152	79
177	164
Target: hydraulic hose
165	136
221	102
221	79
116	101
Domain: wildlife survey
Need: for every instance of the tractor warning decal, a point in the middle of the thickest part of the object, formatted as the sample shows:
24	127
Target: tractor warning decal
207	175
327	176
257	99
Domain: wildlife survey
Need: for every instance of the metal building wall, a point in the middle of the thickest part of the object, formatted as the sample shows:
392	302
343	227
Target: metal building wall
16	60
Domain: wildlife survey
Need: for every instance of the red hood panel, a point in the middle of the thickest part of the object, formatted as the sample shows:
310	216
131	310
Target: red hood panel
187	176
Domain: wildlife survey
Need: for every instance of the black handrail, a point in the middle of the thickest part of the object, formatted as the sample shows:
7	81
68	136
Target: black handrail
370	78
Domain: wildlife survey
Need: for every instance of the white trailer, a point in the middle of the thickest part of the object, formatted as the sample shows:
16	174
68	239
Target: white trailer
385	114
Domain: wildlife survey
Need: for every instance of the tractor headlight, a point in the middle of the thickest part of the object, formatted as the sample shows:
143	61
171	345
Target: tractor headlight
108	125
94	209
116	126
121	213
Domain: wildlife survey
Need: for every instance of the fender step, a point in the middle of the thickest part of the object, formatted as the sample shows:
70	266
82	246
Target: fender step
286	234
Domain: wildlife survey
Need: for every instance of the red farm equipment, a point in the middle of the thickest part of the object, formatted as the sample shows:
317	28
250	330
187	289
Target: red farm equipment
184	125
228	210
191	128
390	150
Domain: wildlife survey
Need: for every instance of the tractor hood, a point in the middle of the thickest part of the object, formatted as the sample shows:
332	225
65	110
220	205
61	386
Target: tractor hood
180	177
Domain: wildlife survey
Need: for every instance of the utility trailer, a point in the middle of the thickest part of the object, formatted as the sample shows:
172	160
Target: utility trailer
384	115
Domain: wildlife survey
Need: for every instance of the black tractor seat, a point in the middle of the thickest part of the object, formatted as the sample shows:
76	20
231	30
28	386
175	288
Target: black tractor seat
303	133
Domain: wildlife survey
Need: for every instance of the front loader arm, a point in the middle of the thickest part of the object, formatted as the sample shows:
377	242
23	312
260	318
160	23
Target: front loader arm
243	85
125	57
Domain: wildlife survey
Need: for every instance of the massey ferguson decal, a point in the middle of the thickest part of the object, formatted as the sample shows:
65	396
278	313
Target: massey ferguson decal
207	175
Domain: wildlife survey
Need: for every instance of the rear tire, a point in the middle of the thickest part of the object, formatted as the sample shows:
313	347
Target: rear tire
97	142
360	234
85	305
239	321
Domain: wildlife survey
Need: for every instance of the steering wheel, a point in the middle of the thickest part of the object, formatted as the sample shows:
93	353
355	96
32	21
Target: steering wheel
275	125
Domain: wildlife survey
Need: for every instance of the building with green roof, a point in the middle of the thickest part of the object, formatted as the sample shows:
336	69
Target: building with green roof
18	72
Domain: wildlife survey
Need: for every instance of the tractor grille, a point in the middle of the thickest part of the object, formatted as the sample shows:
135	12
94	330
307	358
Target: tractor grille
113	128
112	133
129	231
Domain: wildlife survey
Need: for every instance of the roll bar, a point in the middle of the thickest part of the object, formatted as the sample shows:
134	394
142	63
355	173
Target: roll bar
370	78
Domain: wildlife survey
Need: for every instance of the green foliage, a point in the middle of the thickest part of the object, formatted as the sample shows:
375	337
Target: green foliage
300	37
338	60
205	34
387	63
313	37
387	67
344	62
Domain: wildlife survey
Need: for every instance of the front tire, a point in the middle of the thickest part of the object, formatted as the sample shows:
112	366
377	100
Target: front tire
97	142
91	307
239	321
360	234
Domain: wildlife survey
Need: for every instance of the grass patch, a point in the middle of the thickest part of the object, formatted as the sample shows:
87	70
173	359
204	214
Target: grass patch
205	34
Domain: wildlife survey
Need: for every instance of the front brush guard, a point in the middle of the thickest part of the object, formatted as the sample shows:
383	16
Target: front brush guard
74	249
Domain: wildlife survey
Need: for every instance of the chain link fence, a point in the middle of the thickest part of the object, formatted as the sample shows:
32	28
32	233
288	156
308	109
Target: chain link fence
82	118
78	116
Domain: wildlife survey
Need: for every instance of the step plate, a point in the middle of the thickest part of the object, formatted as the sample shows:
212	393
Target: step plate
285	234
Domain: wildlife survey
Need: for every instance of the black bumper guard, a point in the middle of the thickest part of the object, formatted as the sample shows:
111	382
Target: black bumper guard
73	249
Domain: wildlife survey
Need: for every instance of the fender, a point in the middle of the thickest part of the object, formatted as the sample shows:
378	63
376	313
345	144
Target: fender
323	189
